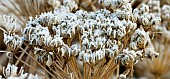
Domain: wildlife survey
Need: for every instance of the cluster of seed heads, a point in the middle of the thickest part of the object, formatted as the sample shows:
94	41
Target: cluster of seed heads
100	34
129	56
146	19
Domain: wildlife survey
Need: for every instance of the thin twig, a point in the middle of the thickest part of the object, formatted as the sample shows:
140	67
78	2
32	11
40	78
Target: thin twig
38	63
30	66
75	68
56	73
20	57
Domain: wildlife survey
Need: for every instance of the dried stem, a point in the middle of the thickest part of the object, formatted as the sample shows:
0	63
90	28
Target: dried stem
38	63
31	67
75	68
20	57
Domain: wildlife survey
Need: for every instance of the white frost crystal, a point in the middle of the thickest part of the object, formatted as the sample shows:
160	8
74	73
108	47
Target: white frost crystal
11	73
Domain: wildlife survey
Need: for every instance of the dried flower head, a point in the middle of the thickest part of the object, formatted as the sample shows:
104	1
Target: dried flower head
11	72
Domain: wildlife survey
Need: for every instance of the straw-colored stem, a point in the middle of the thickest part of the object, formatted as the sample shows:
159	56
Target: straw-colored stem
30	66
38	63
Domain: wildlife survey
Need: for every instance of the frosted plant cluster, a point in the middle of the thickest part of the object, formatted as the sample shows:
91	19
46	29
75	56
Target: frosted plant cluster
11	72
121	34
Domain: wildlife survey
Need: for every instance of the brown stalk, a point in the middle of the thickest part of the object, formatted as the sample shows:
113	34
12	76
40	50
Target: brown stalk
38	63
111	70
31	67
60	70
27	59
117	72
107	68
32	62
58	61
74	67
20	57
87	70
56	73
98	68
